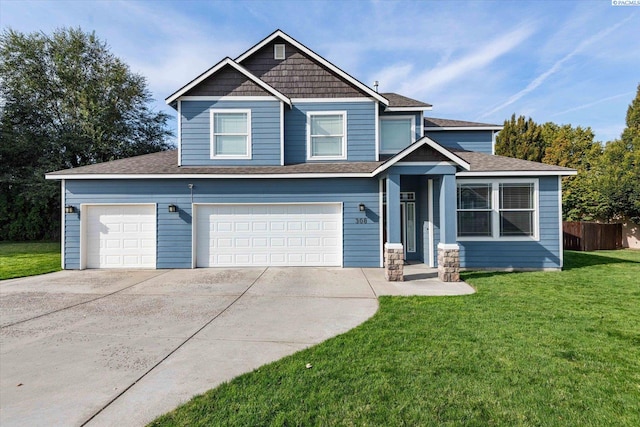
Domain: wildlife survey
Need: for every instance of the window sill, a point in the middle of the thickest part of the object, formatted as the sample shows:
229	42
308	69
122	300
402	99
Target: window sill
318	158
498	239
230	157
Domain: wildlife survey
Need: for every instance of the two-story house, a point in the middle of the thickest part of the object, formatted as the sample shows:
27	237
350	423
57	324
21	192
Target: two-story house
284	159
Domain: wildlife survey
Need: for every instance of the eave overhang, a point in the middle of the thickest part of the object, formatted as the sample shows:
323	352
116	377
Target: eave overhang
211	71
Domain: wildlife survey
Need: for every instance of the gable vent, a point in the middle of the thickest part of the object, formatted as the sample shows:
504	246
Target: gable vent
278	51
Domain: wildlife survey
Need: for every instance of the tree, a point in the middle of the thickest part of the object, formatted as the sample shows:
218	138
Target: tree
618	171
65	101
575	148
568	146
521	138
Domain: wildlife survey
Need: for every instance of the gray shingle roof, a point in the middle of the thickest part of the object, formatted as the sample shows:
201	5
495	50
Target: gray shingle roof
449	123
481	162
396	100
166	163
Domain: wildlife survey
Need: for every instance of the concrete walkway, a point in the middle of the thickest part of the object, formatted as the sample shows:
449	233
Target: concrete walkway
110	348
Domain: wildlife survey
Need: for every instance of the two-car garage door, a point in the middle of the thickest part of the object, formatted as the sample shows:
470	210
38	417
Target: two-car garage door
269	235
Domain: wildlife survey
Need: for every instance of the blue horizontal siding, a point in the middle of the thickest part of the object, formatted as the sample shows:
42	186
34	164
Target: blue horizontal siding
361	244
361	129
544	253
476	140
196	127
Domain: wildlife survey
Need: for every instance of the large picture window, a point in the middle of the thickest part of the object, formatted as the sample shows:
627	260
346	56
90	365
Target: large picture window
231	134
326	135
501	209
396	133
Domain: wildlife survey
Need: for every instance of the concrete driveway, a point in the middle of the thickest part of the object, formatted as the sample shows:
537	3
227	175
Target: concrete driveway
122	347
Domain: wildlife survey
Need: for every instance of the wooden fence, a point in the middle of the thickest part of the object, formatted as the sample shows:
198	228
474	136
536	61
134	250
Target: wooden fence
591	236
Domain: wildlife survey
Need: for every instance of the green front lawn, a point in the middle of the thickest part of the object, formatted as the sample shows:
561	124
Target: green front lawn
28	259
543	348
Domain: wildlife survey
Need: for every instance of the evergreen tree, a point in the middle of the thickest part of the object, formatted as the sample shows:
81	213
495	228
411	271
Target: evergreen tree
521	138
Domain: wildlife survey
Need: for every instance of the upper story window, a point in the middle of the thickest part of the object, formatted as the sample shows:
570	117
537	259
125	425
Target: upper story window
327	135
498	209
396	133
231	134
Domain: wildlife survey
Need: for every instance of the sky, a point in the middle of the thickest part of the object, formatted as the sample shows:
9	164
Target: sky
570	62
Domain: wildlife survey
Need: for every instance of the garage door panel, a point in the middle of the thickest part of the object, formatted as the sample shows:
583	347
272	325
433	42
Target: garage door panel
120	236
269	234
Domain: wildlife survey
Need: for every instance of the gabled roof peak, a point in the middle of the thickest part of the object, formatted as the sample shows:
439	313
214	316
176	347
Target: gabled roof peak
227	62
281	34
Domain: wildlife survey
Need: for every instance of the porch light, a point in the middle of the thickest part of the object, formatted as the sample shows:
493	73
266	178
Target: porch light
362	207
69	209
173	208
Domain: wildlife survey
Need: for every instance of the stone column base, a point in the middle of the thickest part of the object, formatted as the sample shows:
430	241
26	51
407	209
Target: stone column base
449	262
394	262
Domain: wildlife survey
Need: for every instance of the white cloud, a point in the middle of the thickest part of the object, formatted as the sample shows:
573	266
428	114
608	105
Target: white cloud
445	74
557	66
594	103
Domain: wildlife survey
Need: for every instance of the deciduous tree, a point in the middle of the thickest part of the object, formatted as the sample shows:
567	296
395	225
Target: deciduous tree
65	101
618	170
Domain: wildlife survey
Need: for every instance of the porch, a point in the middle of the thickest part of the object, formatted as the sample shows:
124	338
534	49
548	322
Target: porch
419	280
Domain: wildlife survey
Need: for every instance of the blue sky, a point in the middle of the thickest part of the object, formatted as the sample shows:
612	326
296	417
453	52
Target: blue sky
574	62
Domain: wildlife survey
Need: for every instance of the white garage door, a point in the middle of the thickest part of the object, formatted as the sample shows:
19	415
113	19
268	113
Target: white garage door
269	235
120	236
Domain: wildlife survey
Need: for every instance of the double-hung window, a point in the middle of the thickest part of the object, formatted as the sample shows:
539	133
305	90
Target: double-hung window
497	209
396	133
474	210
516	209
327	135
231	134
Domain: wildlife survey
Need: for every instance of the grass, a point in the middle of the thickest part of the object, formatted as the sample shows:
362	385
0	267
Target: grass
541	348
28	259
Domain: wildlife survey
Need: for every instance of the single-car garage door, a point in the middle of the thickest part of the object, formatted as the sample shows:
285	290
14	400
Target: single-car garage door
120	236
269	235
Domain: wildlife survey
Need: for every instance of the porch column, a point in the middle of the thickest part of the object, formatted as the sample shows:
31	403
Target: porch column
393	250
448	249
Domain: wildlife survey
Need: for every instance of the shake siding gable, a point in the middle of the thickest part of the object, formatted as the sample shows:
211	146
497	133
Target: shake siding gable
298	76
174	247
477	140
227	82
196	132
361	129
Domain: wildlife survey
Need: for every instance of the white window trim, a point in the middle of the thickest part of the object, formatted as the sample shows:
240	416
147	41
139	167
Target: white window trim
495	210
212	144
310	114
413	132
275	51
